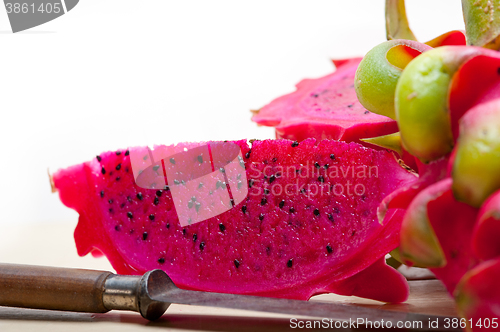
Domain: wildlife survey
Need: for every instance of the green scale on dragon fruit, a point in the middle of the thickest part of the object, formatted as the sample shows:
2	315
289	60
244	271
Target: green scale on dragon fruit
291	241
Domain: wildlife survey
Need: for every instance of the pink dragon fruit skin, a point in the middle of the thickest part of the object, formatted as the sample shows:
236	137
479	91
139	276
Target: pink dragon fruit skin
478	296
487	230
325	108
292	246
451	223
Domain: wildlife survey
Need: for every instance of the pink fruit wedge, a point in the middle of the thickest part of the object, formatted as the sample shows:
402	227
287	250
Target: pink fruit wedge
326	107
292	219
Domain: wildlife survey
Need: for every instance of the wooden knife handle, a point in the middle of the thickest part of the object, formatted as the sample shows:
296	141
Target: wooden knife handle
53	288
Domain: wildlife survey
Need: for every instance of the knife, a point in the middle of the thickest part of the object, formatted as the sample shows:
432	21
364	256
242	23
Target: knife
53	288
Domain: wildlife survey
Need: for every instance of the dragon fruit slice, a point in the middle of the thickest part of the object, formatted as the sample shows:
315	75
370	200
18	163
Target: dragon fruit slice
294	235
478	296
487	230
326	107
437	233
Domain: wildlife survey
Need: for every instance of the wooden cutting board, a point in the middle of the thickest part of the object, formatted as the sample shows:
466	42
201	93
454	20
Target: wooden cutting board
52	245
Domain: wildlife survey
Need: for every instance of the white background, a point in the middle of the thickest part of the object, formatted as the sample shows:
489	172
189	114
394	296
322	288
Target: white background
117	73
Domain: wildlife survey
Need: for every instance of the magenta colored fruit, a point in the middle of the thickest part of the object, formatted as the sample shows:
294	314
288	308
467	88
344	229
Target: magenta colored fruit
402	197
478	297
325	108
292	245
485	240
435	218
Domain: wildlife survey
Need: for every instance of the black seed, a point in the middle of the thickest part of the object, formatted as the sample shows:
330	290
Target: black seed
316	212
332	156
118	153
156	201
266	191
329	249
231	201
145	236
122	205
129	199
110	210
145	157
275	159
261	216
117	178
289	263
250	183
317	165
244	209
103	171
127	153
326	166
222	227
139	196
118	167
292	210
202	246
130	215
366	112
265	162
172	160
102	193
282	204
167	225
303	190
330	216
151	217
98	158
117	228
263	201
350	105
161	260
159	193
195	237
295	144
321	179
155	167
110	201
200	159
237	263
184	231
272	178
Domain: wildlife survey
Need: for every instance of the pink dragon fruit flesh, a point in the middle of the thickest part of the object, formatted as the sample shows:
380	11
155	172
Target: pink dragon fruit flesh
325	108
279	218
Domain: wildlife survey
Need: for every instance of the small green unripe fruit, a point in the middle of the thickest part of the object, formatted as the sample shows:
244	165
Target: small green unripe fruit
379	72
476	166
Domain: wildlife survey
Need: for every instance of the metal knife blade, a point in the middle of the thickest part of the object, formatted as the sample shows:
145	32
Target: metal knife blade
151	294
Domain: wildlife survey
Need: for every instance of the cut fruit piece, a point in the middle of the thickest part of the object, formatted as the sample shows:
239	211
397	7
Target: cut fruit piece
325	108
308	221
